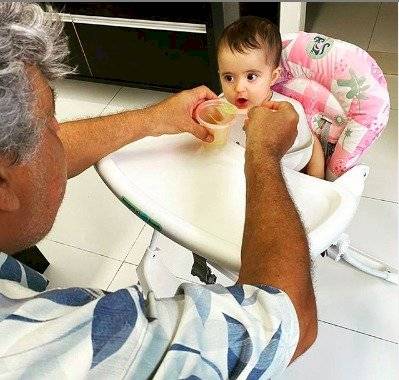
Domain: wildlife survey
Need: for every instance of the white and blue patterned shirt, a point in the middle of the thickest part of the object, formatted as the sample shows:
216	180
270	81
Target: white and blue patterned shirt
204	332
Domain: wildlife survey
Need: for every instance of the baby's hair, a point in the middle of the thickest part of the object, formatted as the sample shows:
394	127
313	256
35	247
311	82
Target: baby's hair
251	32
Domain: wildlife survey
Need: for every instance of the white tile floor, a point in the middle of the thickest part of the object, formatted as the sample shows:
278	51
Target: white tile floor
373	26
319	16
97	242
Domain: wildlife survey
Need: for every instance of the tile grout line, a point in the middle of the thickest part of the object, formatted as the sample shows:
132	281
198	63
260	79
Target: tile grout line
375	23
358	332
380	199
131	246
116	93
141	231
82	249
113	278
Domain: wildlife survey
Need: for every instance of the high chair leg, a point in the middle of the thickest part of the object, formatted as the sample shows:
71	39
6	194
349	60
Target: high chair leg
360	260
153	275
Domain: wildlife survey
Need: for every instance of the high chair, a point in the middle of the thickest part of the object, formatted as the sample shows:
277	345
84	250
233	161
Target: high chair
196	196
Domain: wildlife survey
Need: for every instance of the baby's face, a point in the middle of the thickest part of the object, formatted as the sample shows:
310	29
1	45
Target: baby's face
245	78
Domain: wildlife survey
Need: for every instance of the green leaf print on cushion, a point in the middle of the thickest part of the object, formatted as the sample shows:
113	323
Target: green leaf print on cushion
347	133
357	87
356	84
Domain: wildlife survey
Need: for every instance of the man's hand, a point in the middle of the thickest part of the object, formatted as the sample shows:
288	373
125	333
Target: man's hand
175	114
271	128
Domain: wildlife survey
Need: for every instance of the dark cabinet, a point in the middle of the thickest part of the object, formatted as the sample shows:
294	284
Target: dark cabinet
168	46
161	59
76	57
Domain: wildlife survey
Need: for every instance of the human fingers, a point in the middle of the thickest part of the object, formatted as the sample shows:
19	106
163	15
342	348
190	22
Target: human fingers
199	95
256	110
277	106
203	93
284	109
200	132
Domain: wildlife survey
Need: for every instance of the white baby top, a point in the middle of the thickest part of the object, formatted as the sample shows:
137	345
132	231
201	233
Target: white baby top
299	154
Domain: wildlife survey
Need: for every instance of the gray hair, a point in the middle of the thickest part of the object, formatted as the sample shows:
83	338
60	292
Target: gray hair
28	35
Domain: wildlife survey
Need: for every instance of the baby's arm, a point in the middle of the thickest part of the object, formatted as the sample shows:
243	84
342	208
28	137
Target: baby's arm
315	166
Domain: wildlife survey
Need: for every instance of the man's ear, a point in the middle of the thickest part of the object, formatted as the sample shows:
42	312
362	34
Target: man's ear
275	75
9	200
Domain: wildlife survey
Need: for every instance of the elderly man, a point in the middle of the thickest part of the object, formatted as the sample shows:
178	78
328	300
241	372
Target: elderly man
253	329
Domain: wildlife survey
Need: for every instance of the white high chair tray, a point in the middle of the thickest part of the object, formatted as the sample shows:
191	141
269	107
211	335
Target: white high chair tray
195	195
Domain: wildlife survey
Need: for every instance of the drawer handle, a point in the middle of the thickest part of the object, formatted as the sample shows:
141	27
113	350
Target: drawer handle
133	23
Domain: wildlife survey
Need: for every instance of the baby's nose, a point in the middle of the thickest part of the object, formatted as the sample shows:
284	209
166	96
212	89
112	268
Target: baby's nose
240	85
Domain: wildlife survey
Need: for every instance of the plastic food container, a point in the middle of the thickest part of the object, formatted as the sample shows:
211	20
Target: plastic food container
217	116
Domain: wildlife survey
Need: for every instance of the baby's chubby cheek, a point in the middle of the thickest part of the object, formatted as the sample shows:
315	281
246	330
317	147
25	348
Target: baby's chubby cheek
256	100
229	95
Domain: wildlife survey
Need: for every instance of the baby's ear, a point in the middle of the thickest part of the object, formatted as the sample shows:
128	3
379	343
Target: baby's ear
276	75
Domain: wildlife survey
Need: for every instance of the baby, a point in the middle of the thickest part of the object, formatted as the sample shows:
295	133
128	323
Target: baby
248	55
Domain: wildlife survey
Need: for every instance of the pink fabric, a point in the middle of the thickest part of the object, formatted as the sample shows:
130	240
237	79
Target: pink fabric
340	81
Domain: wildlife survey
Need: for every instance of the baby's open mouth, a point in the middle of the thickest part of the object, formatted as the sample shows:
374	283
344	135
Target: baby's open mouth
241	102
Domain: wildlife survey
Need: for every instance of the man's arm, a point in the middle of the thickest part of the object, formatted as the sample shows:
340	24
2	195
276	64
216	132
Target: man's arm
274	249
87	141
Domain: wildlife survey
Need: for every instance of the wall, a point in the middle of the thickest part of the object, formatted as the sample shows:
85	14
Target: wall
292	17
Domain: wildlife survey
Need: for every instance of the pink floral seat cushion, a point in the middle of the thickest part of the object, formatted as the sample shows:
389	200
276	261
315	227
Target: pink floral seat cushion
339	82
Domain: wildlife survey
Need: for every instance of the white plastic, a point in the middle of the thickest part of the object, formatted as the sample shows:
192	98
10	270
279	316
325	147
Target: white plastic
341	250
197	195
301	151
151	268
371	265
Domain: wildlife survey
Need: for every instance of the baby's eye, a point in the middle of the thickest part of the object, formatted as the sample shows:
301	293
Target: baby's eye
251	77
228	78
